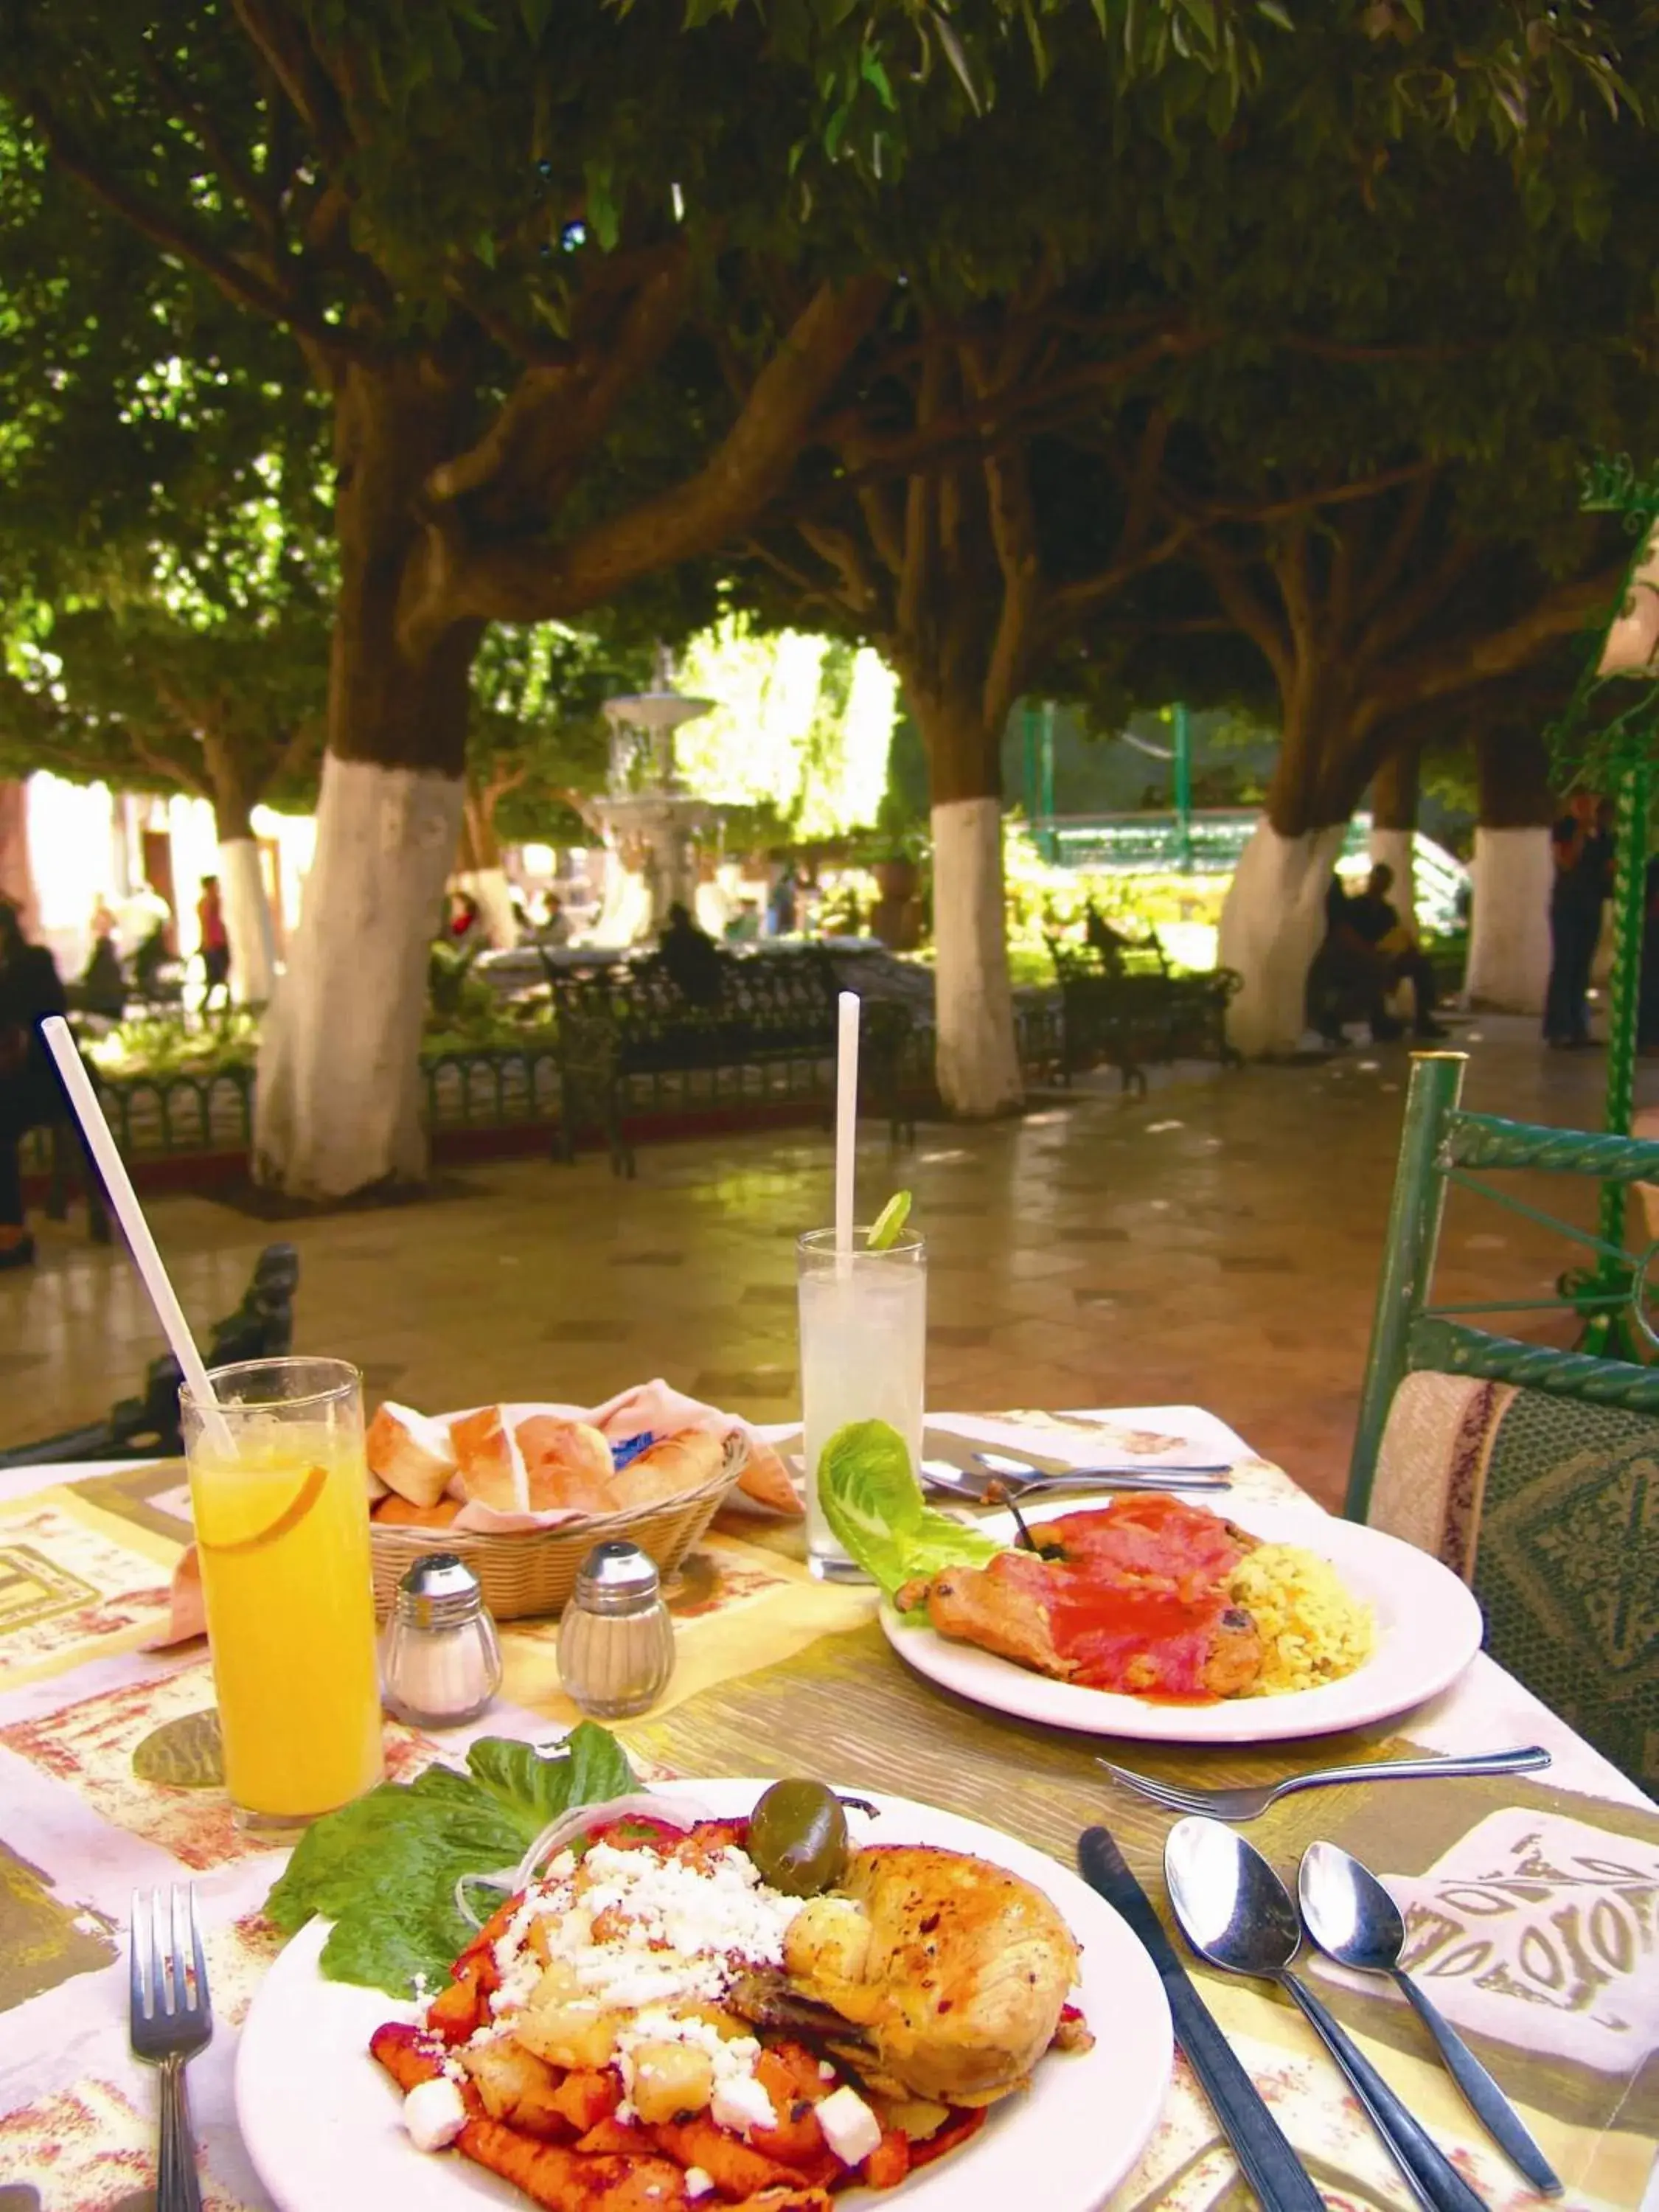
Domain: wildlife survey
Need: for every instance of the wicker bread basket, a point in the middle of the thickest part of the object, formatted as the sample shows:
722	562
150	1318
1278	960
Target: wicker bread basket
534	1571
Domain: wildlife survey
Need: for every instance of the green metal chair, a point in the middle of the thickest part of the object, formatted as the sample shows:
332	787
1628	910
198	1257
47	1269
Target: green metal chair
1546	1462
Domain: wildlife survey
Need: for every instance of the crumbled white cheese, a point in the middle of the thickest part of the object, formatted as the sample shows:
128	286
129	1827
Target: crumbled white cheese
647	1937
733	2060
740	2104
697	2183
434	2113
826	2071
850	2128
673	1932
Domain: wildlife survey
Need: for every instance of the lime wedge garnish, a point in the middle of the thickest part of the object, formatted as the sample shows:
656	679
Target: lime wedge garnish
890	1221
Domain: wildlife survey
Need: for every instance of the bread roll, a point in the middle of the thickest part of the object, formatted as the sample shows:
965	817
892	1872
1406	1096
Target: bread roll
395	1512
669	1468
765	1480
492	1469
409	1453
563	1447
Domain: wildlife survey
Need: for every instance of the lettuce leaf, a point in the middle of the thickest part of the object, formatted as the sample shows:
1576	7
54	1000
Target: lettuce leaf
384	1868
877	1513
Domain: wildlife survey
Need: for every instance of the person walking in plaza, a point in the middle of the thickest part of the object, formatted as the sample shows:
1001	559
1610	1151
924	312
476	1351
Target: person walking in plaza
30	1096
1583	852
780	902
215	941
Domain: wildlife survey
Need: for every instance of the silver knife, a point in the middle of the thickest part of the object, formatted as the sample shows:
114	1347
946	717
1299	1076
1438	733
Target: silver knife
1269	2164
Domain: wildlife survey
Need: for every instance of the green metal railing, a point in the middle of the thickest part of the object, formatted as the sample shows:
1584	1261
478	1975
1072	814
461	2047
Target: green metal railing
1441	1146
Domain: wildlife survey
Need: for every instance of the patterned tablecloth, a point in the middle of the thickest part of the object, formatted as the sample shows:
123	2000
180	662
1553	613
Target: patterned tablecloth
1533	1908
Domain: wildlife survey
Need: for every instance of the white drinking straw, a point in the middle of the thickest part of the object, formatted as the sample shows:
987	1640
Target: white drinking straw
846	1122
60	1043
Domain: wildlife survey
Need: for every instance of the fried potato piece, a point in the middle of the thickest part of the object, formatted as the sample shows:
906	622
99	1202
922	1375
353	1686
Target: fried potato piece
517	2087
961	1980
669	2079
577	2034
587	2098
568	2180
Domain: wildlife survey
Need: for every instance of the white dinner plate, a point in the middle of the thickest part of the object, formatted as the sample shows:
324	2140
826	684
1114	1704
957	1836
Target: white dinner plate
1428	1629
322	2126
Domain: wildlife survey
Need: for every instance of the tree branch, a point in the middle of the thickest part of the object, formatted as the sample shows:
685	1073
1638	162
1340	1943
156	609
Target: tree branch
1386	572
1465	663
293	62
554	415
860	593
232	276
532	582
1248	612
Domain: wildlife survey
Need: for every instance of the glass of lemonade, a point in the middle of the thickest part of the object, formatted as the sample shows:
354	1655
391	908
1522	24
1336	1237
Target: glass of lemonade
282	1534
863	1357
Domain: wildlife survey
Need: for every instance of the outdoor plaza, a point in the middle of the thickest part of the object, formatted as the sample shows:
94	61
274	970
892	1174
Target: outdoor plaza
829	1106
1215	1243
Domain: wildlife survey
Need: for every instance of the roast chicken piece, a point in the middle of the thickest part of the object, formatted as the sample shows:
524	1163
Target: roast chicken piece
953	1972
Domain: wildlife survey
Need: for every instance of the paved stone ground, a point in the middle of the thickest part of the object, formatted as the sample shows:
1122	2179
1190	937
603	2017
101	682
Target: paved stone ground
1215	1243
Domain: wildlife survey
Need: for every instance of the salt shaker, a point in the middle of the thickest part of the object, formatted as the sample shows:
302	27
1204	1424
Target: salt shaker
615	1640
441	1660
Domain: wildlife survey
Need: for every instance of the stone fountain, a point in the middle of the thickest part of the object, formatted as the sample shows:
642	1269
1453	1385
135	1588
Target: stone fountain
651	822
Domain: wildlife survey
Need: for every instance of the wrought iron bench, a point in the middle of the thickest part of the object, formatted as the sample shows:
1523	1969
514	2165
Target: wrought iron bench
776	1013
1125	1005
147	1427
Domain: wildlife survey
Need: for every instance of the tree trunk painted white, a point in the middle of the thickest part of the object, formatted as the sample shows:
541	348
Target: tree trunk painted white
338	1098
1273	921
490	887
978	1065
247	922
1396	849
1509	966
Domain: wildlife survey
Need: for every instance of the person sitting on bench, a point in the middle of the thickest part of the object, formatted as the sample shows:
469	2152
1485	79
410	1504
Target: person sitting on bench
1376	922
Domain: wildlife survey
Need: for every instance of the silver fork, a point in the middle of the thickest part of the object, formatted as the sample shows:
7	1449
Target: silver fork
1249	1803
171	2020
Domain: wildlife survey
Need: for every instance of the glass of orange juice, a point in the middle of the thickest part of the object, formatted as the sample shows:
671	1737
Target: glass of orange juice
279	1494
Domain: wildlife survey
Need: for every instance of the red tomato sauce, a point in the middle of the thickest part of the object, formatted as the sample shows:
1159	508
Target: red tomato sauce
1137	1597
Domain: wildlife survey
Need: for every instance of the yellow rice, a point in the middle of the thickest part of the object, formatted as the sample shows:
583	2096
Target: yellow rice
1311	1630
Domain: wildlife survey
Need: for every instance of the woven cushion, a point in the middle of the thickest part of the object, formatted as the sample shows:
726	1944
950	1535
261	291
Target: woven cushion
1432	1464
1567	1567
1549	1508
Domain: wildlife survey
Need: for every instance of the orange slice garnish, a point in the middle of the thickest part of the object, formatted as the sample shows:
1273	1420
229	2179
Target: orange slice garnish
245	1517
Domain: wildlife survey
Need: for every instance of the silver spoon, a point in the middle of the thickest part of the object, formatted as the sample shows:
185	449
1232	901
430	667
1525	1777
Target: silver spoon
1236	1913
1351	1915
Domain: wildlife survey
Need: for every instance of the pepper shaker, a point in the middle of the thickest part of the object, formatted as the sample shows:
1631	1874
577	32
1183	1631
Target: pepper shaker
440	1659
615	1640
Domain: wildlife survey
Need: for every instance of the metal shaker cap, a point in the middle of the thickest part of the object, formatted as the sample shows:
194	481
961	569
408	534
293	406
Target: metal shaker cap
618	1578
439	1591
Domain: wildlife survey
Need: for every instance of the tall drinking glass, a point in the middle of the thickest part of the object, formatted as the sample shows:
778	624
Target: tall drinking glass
282	1533
863	1356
